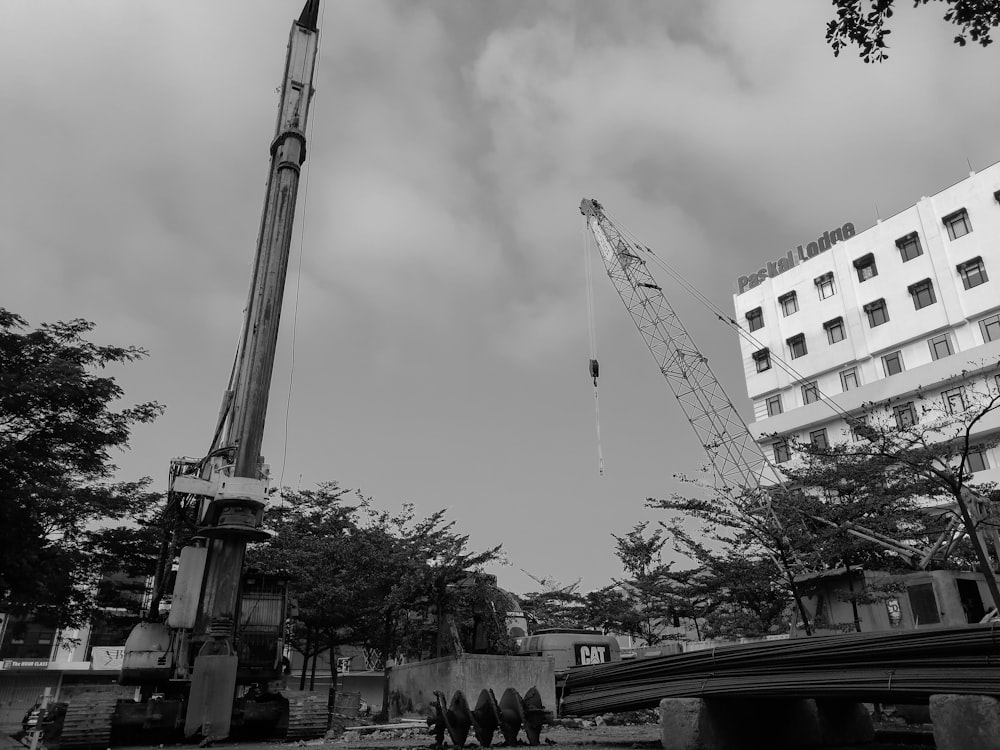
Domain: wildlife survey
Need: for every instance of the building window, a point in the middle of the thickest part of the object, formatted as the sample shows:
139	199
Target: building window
973	272
954	400
810	392
909	247
940	346
755	319
824	285
797	346
877	313
858	425
834	330
789	303
762	358
782	452
774	405
922	293
975	459
849	378
892	363
818	439
866	268
991	328
957	224
905	415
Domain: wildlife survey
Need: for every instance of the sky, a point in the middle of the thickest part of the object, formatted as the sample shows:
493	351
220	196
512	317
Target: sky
435	341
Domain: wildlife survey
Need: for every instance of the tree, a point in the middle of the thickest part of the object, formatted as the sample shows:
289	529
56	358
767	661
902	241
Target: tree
556	605
864	23
393	583
913	456
58	432
732	592
314	545
413	564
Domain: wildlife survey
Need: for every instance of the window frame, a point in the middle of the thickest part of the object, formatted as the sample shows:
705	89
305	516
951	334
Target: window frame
819	436
951	223
824	285
788	297
922	294
781	450
873	307
758	318
810	392
949	395
830	326
898	357
967	278
843	379
984	327
981	459
792	341
899	410
934	341
909	242
862	264
774	400
762	357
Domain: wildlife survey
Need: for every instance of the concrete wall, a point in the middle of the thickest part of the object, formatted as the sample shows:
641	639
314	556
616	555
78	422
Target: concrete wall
412	686
839	615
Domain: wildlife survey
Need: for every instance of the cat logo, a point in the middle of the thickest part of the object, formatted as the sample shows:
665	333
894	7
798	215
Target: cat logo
596	654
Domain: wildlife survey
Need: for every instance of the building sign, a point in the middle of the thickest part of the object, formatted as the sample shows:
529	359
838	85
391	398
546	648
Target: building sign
794	257
106	657
25	663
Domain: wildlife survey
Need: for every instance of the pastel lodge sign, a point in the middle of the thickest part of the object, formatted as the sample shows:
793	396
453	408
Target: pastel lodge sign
794	257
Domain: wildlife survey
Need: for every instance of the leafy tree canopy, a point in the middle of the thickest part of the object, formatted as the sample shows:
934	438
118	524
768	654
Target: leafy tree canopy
58	432
864	23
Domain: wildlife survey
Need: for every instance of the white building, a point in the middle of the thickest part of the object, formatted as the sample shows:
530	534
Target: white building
913	302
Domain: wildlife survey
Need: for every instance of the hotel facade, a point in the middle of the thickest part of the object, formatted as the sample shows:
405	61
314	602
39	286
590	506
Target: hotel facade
904	311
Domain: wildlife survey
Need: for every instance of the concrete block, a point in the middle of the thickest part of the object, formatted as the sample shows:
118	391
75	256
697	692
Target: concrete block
965	722
412	686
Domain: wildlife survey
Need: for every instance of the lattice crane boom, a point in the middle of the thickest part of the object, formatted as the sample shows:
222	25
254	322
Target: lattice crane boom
735	456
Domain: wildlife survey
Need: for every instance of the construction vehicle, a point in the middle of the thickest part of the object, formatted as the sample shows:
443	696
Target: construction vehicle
212	669
739	463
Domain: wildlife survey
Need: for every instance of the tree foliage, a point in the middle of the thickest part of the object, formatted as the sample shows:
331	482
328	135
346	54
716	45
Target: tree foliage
905	478
864	23
59	430
394	583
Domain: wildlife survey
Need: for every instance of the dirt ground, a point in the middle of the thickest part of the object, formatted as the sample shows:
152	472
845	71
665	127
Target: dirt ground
629	737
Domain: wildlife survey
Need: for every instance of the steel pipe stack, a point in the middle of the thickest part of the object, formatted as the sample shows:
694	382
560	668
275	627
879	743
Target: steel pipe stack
901	667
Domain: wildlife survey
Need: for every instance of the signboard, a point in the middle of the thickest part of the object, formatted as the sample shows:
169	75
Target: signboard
107	657
592	653
793	257
25	663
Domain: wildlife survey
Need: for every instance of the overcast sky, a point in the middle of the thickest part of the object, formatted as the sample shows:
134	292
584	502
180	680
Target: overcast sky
437	293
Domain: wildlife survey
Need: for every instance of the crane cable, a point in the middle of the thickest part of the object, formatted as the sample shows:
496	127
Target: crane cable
592	330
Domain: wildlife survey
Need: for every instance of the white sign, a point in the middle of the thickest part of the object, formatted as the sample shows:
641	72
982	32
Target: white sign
106	657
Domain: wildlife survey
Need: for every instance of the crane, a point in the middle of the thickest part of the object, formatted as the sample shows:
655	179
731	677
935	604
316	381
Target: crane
737	459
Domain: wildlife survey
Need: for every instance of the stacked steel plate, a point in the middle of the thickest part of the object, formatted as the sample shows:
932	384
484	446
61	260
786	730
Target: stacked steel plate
900	667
